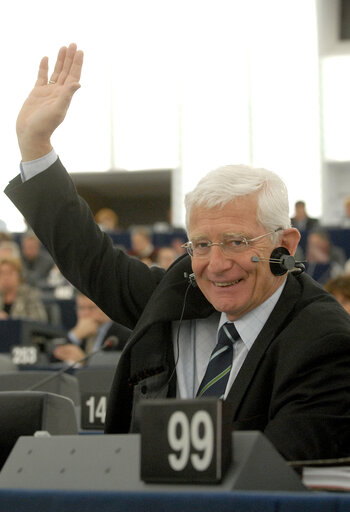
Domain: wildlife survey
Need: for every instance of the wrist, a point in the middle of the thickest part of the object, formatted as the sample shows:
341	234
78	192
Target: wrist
76	335
34	148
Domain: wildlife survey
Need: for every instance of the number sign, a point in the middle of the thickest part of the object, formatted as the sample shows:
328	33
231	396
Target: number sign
93	410
24	355
184	440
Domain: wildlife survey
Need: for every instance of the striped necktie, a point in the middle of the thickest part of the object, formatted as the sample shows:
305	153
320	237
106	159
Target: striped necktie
220	363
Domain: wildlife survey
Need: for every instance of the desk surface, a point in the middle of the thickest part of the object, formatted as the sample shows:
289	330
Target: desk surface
234	501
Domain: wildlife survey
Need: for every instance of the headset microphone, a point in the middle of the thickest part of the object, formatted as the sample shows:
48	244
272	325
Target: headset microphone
191	279
281	261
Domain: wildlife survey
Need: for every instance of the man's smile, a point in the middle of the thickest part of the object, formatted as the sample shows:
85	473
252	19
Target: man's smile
226	283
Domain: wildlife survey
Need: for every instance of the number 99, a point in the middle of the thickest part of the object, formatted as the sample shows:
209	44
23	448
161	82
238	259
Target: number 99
182	435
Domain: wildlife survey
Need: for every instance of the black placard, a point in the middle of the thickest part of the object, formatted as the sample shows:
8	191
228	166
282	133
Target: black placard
186	441
93	410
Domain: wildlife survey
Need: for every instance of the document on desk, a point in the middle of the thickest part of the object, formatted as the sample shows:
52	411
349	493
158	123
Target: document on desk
327	478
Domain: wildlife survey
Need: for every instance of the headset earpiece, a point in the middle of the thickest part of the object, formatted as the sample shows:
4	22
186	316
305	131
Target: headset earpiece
281	262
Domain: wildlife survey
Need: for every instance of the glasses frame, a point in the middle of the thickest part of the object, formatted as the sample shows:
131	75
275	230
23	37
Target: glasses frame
189	245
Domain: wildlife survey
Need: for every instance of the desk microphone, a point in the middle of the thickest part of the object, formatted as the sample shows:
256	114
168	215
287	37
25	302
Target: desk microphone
281	261
111	343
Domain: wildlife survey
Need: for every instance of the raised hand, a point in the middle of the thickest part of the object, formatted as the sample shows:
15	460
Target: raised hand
47	104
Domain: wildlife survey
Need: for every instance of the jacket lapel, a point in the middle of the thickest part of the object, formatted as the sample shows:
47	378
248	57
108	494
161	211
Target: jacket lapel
272	328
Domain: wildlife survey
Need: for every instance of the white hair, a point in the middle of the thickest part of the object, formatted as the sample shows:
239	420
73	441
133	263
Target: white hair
225	184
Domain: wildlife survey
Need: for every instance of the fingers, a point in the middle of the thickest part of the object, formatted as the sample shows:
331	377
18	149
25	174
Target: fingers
67	63
43	71
68	68
59	64
77	64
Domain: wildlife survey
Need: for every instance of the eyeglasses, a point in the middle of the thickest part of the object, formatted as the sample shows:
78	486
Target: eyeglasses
231	245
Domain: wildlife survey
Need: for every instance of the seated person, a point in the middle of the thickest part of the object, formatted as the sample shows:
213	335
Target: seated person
17	298
339	287
141	245
324	260
166	256
92	329
107	220
37	261
10	248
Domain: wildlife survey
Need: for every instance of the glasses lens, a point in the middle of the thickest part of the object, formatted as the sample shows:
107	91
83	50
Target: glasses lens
201	248
234	245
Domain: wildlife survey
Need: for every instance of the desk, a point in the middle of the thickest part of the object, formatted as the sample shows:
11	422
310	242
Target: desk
234	501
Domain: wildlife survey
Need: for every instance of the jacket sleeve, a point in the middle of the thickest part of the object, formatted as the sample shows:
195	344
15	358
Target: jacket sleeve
119	284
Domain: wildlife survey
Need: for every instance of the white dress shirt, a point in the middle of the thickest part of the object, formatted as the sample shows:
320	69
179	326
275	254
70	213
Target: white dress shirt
197	339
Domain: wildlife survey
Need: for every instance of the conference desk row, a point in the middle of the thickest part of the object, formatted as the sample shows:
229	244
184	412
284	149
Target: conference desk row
105	479
88	473
105	473
235	501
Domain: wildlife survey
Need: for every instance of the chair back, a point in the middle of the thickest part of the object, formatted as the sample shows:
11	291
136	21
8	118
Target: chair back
22	413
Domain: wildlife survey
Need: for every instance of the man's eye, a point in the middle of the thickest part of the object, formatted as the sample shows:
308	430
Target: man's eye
201	245
235	242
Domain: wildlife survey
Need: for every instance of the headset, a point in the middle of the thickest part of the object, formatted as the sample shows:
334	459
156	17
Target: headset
281	261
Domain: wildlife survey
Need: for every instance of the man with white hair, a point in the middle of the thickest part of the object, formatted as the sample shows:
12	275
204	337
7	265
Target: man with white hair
286	340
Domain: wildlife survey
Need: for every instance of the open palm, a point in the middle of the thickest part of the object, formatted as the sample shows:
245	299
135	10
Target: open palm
47	104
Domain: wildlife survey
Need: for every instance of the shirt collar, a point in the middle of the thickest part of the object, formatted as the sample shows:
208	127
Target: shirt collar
250	324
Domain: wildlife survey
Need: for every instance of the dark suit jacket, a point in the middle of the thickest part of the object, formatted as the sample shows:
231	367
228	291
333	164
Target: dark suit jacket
295	382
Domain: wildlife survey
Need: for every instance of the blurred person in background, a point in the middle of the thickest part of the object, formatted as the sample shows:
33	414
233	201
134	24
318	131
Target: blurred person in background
142	246
17	298
92	329
339	287
37	262
177	244
165	257
5	236
10	248
301	219
107	219
324	260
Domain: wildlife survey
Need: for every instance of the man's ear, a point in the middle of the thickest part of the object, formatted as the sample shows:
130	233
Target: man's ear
290	240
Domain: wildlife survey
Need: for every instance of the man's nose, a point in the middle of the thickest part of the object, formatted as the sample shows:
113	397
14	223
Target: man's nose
218	261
